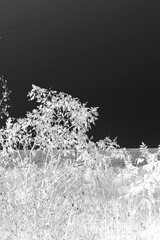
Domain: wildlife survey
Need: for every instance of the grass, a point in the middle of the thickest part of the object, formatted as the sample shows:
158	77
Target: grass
67	203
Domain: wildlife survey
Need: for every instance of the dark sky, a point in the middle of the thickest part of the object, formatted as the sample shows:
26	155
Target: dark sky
105	52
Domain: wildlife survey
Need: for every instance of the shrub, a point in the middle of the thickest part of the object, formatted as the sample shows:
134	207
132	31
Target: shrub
59	122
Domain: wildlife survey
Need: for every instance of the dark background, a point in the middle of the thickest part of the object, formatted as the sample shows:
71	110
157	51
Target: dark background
104	52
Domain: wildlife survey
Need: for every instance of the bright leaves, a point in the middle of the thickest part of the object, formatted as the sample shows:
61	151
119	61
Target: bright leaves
5	98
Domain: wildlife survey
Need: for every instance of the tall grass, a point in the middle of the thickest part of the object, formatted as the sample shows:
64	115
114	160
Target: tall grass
65	202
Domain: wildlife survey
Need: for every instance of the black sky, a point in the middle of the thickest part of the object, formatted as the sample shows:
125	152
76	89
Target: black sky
104	52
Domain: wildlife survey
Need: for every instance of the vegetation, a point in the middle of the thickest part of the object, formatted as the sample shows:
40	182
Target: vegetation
5	98
85	197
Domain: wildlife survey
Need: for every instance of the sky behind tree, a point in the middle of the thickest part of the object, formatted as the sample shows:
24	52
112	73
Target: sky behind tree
105	53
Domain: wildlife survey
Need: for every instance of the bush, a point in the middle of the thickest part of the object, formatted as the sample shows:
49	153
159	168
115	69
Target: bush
60	122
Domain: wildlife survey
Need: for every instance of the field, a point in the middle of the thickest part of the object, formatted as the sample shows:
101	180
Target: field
95	195
78	203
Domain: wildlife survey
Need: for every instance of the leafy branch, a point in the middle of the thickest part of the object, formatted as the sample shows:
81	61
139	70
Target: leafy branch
5	98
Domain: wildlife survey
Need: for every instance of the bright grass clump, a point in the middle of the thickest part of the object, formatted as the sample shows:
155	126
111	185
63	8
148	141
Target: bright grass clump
81	190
